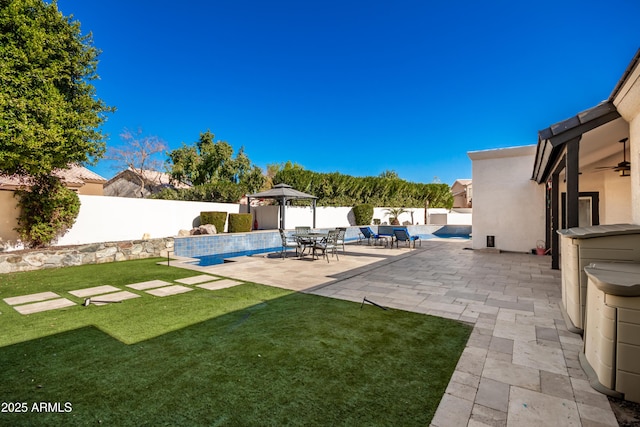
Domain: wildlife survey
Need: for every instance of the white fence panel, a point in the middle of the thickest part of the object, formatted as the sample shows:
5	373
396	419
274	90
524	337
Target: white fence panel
108	219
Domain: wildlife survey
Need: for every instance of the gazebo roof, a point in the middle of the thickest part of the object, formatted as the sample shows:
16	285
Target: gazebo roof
282	191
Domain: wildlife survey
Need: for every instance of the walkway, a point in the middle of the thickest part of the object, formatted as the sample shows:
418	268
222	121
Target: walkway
520	366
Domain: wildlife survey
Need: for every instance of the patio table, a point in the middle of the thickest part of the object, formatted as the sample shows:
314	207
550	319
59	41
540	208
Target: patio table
309	239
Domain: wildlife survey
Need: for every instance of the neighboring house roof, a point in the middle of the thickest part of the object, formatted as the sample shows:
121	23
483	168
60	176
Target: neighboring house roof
463	182
76	173
126	183
150	177
73	177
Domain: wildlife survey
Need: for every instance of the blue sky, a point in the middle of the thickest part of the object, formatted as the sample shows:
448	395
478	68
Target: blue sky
357	87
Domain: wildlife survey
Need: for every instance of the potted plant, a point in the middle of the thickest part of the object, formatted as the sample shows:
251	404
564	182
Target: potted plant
394	213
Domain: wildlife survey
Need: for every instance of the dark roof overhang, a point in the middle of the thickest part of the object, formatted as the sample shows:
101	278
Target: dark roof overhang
551	140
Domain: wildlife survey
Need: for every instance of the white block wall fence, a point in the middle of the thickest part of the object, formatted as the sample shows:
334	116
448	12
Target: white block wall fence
115	219
109	219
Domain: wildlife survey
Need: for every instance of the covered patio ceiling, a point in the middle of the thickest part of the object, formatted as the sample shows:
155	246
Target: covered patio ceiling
574	147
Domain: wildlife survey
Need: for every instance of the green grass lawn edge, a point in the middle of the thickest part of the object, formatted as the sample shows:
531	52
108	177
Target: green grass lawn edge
248	355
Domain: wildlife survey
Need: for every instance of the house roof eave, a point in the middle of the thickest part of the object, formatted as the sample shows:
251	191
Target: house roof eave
551	140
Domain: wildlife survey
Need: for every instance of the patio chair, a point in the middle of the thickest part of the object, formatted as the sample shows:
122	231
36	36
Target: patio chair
368	234
288	242
303	230
330	244
341	232
403	234
304	242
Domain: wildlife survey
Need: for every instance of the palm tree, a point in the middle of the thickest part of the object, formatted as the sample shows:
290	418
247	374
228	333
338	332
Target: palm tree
394	213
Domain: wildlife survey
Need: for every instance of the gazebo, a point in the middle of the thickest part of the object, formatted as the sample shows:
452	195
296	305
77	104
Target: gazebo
283	193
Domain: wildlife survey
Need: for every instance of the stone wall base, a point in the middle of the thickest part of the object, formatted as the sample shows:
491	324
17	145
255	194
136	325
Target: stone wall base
93	253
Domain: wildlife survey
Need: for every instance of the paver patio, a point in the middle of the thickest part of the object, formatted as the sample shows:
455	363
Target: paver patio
520	366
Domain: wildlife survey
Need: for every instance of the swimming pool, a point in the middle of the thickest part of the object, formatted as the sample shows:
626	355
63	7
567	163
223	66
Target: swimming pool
445	236
216	259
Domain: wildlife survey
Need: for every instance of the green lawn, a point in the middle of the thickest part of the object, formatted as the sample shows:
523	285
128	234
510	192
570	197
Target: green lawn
248	355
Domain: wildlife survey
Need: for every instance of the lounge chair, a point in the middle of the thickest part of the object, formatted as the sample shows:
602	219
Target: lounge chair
288	242
368	234
403	235
330	244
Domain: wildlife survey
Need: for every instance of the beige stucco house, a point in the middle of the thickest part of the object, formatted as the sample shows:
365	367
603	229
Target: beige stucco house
508	207
77	178
461	190
575	175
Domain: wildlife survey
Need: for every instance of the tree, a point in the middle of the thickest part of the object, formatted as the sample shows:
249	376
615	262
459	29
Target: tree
212	161
48	209
391	174
138	154
49	115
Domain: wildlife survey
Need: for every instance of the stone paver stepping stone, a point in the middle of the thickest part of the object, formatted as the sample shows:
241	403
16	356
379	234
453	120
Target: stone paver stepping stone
36	307
24	299
148	285
42	296
196	279
114	297
169	290
220	284
96	290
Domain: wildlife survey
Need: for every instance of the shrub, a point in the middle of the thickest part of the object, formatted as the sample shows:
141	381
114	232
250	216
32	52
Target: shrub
216	218
240	222
47	211
363	214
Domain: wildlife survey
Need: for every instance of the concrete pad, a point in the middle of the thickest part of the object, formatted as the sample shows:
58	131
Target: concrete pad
42	296
96	290
151	284
529	408
452	411
169	290
196	279
509	373
114	297
493	394
37	307
539	357
220	284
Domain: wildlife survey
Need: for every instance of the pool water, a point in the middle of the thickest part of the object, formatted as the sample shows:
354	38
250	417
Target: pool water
445	236
216	259
207	260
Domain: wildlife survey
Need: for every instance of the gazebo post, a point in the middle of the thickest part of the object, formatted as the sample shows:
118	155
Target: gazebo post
282	211
313	203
